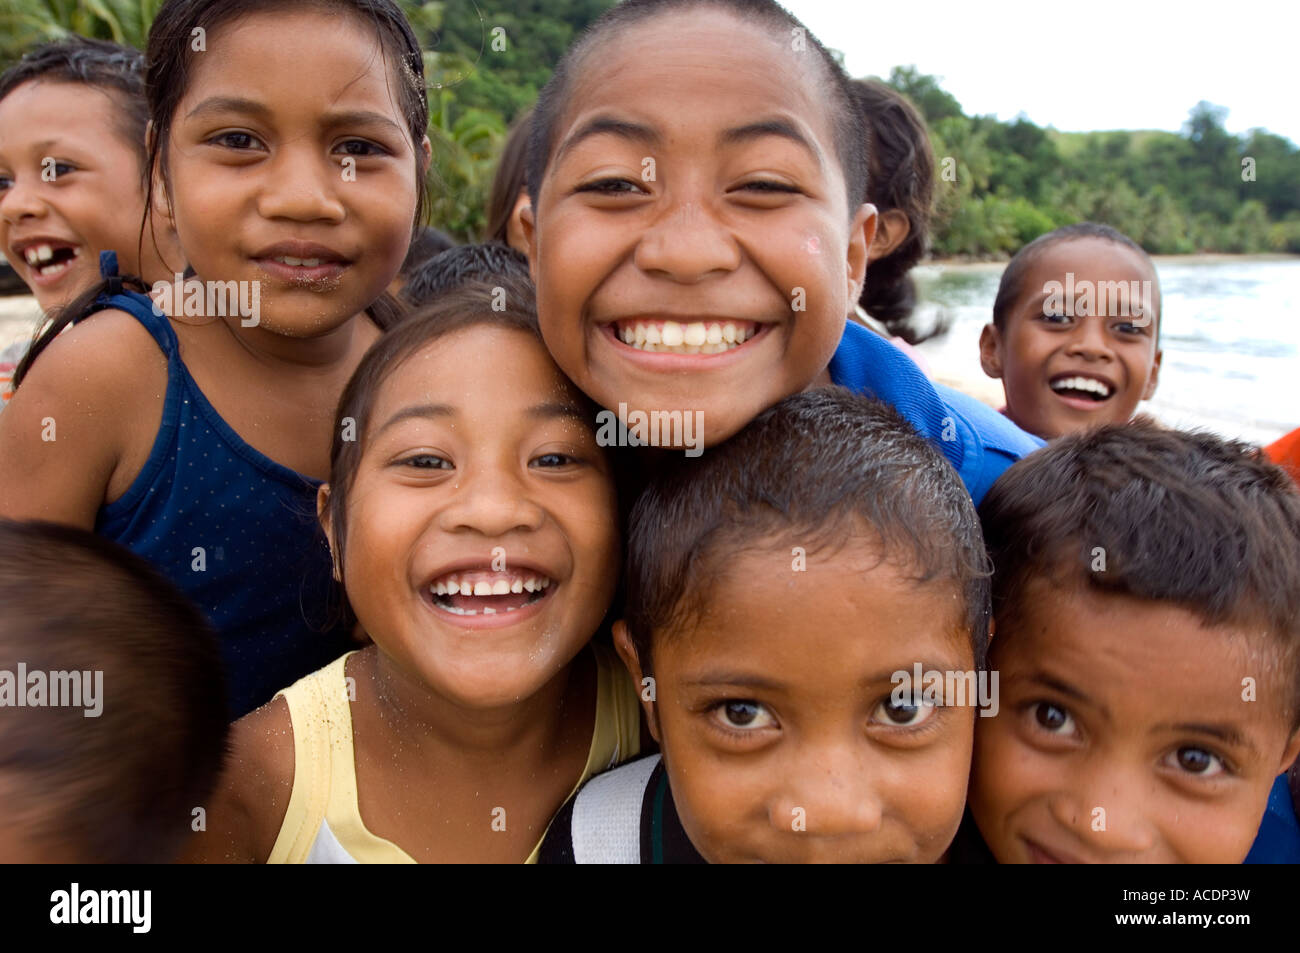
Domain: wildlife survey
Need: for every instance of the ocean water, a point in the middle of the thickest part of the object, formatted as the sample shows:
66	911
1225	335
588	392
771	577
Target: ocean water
1230	335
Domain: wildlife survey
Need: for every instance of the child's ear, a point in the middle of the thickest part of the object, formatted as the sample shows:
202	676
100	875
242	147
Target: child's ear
528	231
323	515
991	351
892	229
515	236
426	156
1154	379
646	692
862	232
162	206
1290	754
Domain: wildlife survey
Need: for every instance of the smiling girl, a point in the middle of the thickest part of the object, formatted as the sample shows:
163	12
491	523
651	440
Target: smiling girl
287	147
473	523
72	131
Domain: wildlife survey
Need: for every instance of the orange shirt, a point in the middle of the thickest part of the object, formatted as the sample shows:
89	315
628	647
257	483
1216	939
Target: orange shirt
1286	453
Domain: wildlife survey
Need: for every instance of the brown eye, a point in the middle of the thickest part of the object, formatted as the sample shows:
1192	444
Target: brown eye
1198	761
1053	718
907	714
743	714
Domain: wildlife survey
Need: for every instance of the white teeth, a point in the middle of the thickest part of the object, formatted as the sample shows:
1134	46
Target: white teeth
694	338
298	262
1081	384
450	586
44	253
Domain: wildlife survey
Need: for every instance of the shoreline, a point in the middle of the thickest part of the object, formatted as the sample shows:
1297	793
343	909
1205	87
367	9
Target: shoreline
1198	258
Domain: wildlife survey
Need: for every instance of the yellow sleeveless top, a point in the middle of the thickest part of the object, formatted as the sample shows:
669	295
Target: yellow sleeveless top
322	823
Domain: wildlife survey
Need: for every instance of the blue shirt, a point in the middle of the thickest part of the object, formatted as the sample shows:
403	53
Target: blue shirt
977	440
233	529
1278	840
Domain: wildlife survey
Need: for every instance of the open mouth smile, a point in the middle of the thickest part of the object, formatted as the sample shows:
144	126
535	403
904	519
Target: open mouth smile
48	259
684	337
1082	390
469	593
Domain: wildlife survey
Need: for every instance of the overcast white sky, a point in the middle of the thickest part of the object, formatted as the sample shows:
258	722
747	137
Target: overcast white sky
1104	64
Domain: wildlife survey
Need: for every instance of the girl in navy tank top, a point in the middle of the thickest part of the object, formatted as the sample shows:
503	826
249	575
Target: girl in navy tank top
193	424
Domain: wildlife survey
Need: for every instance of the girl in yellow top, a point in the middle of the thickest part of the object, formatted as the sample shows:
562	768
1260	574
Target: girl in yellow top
473	522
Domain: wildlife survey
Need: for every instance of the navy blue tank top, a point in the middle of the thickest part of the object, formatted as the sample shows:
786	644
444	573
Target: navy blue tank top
234	530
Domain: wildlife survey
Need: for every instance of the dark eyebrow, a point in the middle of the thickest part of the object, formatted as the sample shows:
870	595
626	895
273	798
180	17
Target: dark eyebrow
218	104
423	411
719	678
1064	688
354	117
609	125
551	410
361	117
775	126
1228	734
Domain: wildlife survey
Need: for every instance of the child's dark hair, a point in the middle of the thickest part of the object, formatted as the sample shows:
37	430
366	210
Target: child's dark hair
169	56
428	243
1011	287
1185	518
817	467
510	178
901	177
108	66
846	119
461	264
119	787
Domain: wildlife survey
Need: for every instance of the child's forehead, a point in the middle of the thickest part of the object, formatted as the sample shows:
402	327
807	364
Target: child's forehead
471	366
334	64
1091	257
698	69
772	596
66	111
1115	648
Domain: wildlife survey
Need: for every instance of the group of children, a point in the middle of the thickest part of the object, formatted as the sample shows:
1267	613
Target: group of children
379	525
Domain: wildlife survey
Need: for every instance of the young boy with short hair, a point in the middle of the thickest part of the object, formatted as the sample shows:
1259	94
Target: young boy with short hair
1146	595
112	703
782	590
1075	336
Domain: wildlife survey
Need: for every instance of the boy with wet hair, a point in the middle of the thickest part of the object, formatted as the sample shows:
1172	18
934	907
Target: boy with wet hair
1075	336
1146	594
781	590
112	703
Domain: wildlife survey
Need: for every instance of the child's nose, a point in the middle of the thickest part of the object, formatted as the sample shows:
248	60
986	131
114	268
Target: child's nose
1089	339
20	201
490	503
302	187
1106	813
830	795
687	244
